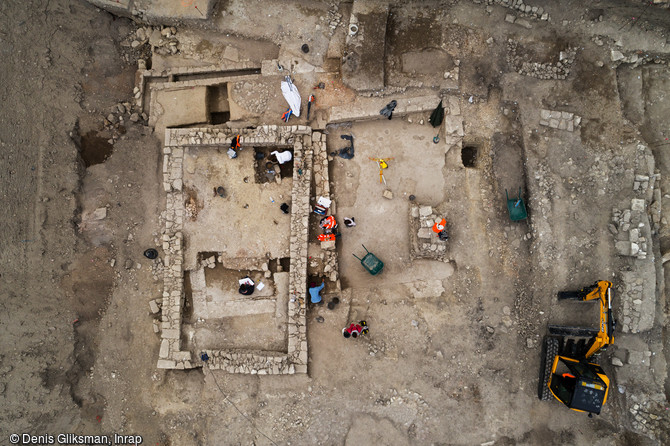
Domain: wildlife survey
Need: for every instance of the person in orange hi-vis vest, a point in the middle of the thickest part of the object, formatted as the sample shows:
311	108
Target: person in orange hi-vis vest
235	142
328	223
326	237
440	228
234	147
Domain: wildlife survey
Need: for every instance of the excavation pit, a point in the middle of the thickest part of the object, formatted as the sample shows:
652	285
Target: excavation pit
267	169
469	156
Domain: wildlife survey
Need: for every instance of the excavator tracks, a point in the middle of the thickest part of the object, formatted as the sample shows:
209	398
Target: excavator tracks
549	352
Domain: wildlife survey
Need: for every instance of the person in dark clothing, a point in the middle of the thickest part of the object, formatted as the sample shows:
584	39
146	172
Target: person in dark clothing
348	152
247	286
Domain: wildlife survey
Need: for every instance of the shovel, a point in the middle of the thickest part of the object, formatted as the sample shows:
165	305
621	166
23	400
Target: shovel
309	104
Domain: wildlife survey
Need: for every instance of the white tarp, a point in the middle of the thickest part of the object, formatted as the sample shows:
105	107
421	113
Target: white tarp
291	95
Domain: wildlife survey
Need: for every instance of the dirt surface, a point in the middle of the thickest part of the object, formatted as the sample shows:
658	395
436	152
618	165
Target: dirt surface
454	346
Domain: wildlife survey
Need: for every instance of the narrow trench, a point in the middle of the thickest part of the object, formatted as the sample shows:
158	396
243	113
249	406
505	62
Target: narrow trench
215	75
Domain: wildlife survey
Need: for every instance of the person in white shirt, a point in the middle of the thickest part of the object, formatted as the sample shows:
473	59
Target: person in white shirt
282	157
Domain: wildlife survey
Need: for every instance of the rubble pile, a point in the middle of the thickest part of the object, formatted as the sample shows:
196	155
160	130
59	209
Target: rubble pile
334	18
558	70
119	116
160	40
536	12
331	265
646	418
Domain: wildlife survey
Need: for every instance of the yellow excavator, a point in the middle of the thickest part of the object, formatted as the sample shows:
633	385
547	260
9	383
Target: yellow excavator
565	370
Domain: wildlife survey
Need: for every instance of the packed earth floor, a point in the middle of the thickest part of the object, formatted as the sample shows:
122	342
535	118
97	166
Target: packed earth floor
114	129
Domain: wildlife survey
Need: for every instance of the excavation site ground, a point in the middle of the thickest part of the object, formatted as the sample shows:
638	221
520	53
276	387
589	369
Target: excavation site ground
154	153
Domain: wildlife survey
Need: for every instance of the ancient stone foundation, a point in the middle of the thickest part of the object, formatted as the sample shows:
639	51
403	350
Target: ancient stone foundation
305	144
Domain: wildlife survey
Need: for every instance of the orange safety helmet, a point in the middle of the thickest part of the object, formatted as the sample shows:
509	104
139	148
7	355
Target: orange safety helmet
439	226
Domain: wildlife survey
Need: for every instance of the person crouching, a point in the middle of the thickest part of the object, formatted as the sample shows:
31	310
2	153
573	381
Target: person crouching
355	329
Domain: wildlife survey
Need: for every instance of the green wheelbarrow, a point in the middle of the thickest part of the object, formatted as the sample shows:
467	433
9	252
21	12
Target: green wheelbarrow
370	262
516	207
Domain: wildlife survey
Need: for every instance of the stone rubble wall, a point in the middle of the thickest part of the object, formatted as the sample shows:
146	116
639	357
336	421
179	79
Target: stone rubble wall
300	209
558	70
453	122
521	8
302	139
269	135
321	176
639	303
331	267
646	418
322	189
170	354
631	227
633	58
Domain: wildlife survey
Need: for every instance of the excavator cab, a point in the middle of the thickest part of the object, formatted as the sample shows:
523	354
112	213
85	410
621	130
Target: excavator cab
580	385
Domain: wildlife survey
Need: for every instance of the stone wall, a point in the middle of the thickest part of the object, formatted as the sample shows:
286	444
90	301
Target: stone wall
321	176
632	227
639	303
169	78
170	354
521	8
177	141
322	189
